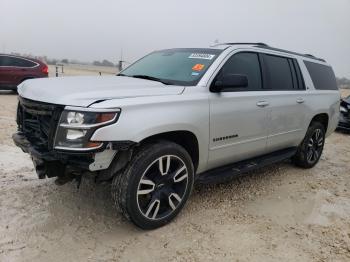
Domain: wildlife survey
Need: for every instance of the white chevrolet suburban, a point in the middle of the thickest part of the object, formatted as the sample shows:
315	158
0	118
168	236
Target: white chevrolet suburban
176	117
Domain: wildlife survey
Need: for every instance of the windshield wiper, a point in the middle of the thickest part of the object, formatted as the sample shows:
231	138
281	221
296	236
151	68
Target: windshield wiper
151	78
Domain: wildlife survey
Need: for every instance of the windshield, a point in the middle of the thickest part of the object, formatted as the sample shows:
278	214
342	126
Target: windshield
173	66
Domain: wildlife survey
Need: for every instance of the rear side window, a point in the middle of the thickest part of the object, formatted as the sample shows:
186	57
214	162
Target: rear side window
16	62
278	74
322	76
244	63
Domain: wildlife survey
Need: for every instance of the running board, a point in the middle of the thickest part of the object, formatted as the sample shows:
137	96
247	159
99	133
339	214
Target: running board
226	173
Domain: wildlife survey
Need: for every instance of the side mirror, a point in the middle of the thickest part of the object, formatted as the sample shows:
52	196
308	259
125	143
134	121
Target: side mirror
229	81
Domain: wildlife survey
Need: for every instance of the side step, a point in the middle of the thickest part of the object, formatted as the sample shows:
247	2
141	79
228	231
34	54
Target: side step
226	173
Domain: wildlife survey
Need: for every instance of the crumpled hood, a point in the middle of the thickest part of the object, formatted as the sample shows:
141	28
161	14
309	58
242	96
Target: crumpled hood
85	90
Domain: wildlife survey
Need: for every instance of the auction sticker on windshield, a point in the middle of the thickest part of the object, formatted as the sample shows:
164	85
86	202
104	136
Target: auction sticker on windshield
198	67
202	56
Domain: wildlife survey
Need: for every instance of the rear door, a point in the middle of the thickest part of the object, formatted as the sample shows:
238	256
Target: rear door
238	117
285	94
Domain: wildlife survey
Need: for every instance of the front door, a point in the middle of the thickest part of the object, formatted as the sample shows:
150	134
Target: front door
238	117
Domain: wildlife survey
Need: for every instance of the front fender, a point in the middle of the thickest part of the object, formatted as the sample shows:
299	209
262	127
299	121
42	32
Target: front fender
138	122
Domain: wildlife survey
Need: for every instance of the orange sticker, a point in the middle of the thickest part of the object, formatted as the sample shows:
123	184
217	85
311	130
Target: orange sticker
198	67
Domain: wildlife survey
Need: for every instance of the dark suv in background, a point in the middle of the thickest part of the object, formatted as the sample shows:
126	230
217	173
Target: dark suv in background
15	69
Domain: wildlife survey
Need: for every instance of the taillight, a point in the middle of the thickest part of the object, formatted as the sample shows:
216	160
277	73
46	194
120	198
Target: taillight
45	69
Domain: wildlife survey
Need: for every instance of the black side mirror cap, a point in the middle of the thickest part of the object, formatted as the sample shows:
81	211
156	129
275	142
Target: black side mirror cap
216	86
229	81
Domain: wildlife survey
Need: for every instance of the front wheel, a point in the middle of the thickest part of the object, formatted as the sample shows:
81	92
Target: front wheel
155	185
310	150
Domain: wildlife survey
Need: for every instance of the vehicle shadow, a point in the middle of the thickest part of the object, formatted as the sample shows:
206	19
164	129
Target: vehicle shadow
92	203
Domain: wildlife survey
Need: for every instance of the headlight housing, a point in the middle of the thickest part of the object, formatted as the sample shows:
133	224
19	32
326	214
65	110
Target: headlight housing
343	109
76	126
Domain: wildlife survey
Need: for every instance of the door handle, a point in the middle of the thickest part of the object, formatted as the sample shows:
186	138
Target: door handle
262	103
300	100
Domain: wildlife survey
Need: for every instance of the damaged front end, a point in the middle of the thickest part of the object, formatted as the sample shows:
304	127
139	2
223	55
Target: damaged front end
58	140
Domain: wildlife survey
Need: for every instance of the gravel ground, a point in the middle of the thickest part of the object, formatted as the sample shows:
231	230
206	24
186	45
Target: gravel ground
279	213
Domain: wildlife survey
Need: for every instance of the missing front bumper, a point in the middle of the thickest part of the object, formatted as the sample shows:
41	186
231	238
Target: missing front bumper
55	163
105	163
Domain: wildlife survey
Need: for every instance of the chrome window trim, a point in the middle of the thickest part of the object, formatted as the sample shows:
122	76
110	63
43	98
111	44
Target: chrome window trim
234	51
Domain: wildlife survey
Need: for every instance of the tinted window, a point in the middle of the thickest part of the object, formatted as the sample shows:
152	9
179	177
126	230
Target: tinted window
244	64
2	60
278	74
322	76
14	61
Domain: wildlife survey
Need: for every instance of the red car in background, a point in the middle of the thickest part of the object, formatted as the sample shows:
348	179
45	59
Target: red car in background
15	69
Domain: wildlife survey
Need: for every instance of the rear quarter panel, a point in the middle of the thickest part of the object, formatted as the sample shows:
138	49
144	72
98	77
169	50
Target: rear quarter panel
320	101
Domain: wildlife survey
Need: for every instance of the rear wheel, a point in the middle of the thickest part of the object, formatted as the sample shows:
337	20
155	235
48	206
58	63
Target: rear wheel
155	185
310	150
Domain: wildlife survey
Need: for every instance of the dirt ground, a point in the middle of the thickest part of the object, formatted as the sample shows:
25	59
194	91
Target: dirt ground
279	213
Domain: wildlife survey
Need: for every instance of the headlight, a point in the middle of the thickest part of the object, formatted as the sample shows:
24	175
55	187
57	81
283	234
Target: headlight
343	109
75	118
75	128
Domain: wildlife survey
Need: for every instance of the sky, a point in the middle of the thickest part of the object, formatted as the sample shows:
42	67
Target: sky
89	30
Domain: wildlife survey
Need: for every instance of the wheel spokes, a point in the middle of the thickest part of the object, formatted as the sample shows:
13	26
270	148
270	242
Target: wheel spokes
174	196
180	174
162	187
315	155
310	153
146	183
153	208
311	143
317	134
164	167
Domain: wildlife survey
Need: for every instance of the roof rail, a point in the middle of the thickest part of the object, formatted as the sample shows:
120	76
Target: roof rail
291	52
243	43
259	43
265	46
310	55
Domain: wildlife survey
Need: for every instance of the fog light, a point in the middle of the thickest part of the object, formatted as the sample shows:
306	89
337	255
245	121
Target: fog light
74	134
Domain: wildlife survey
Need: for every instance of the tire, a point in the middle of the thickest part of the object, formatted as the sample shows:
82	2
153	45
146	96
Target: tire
155	185
309	152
